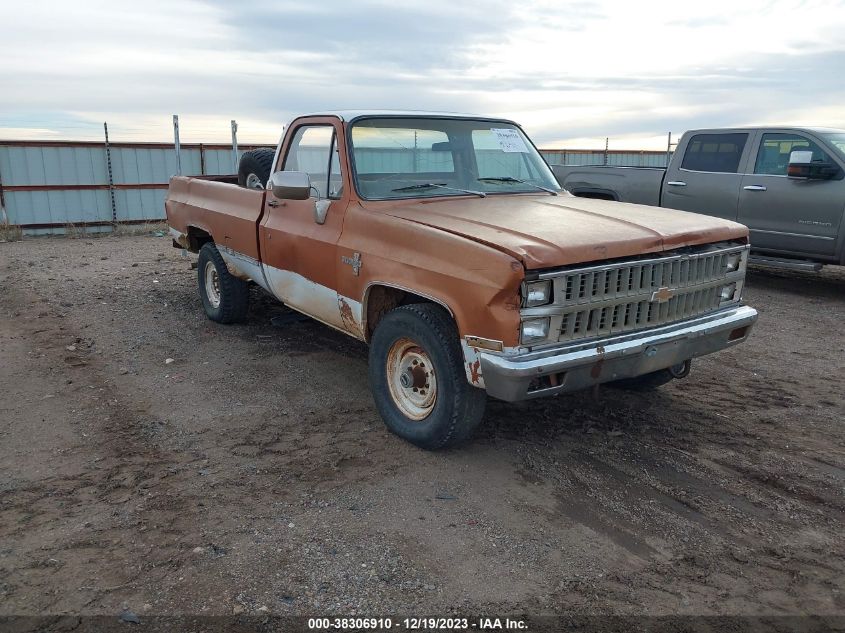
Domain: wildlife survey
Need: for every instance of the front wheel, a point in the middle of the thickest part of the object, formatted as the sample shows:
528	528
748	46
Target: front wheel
418	380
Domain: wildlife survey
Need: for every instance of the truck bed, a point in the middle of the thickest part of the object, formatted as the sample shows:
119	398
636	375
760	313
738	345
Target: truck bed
216	207
640	185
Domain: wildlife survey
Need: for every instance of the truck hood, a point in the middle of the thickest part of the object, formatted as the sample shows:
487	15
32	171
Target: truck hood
548	231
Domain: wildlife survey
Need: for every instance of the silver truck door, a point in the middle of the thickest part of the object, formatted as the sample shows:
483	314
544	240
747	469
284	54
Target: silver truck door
706	177
790	215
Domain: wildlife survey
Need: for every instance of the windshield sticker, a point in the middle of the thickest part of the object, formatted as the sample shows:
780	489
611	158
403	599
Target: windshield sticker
509	140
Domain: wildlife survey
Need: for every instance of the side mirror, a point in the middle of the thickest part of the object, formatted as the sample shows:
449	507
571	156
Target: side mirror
801	165
290	185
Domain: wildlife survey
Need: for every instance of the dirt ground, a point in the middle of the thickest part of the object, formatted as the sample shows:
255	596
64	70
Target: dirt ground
252	473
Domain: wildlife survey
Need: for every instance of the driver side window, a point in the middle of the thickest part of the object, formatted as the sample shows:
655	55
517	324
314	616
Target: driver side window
775	149
313	150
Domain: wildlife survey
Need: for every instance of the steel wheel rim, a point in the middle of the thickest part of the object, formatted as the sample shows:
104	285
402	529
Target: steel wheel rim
253	182
212	284
411	379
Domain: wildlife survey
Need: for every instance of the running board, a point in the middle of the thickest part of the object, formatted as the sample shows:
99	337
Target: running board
789	264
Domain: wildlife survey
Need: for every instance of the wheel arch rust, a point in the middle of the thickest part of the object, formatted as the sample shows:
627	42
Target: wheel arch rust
382	296
196	236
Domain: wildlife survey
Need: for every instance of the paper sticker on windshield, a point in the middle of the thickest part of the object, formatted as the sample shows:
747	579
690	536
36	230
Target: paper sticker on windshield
509	140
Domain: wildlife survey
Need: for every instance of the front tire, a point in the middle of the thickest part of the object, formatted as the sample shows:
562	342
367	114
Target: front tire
418	380
225	298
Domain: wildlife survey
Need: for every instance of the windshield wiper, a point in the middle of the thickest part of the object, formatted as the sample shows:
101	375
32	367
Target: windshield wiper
524	182
431	185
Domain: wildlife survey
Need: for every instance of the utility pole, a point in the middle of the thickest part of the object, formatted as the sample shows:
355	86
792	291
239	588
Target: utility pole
111	174
176	145
235	144
606	145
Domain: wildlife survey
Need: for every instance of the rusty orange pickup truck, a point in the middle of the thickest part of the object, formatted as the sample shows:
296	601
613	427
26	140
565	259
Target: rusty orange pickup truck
445	243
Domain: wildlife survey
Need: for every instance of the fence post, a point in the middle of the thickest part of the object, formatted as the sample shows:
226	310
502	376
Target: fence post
235	145
176	145
202	160
3	203
111	176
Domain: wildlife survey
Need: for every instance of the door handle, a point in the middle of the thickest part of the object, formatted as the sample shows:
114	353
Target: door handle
676	183
273	203
754	188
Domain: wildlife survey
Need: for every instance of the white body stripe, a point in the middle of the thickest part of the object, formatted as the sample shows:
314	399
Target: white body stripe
319	302
243	266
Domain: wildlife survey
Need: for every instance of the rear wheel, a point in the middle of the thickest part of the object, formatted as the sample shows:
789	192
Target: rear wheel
418	380
254	168
225	298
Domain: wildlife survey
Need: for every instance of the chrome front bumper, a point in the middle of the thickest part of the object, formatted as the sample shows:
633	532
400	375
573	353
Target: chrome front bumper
576	366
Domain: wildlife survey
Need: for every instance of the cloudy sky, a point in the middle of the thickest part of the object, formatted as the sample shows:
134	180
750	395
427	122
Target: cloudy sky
570	72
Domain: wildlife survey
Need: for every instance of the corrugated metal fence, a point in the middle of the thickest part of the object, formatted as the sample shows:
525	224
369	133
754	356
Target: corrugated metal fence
45	186
49	186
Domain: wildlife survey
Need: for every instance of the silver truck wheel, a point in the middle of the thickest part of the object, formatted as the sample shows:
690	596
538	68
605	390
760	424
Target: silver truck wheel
411	379
253	181
212	284
418	378
225	298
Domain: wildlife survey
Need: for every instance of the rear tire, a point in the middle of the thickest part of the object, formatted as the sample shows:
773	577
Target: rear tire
418	379
254	168
225	298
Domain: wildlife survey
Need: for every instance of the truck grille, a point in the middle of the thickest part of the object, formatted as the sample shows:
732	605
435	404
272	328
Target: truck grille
632	295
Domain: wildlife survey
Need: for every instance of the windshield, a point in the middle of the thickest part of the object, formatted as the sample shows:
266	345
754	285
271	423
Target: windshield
434	157
837	139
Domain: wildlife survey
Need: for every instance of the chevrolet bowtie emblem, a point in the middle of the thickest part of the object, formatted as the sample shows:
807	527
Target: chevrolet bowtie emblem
662	295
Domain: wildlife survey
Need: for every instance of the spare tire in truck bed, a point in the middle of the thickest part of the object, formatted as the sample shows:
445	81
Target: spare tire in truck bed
254	168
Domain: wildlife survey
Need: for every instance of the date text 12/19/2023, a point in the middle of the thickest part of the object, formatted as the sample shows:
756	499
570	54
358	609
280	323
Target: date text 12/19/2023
418	624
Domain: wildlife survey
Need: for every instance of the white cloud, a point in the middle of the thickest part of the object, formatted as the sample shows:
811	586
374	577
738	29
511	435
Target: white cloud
571	72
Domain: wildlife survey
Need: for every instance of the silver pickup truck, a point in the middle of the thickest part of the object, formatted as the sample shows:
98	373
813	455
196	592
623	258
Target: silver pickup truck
785	184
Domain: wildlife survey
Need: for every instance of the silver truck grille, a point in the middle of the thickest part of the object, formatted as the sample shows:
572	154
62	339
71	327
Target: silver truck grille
626	296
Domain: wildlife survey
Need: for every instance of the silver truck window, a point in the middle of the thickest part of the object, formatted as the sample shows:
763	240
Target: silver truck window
773	155
313	150
714	152
837	139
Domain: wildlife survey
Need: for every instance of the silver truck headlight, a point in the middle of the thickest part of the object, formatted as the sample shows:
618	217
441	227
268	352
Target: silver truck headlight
728	292
534	330
538	293
734	261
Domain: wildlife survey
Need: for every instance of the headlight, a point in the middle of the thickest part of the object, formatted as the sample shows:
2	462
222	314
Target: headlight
537	293
534	330
728	292
734	261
